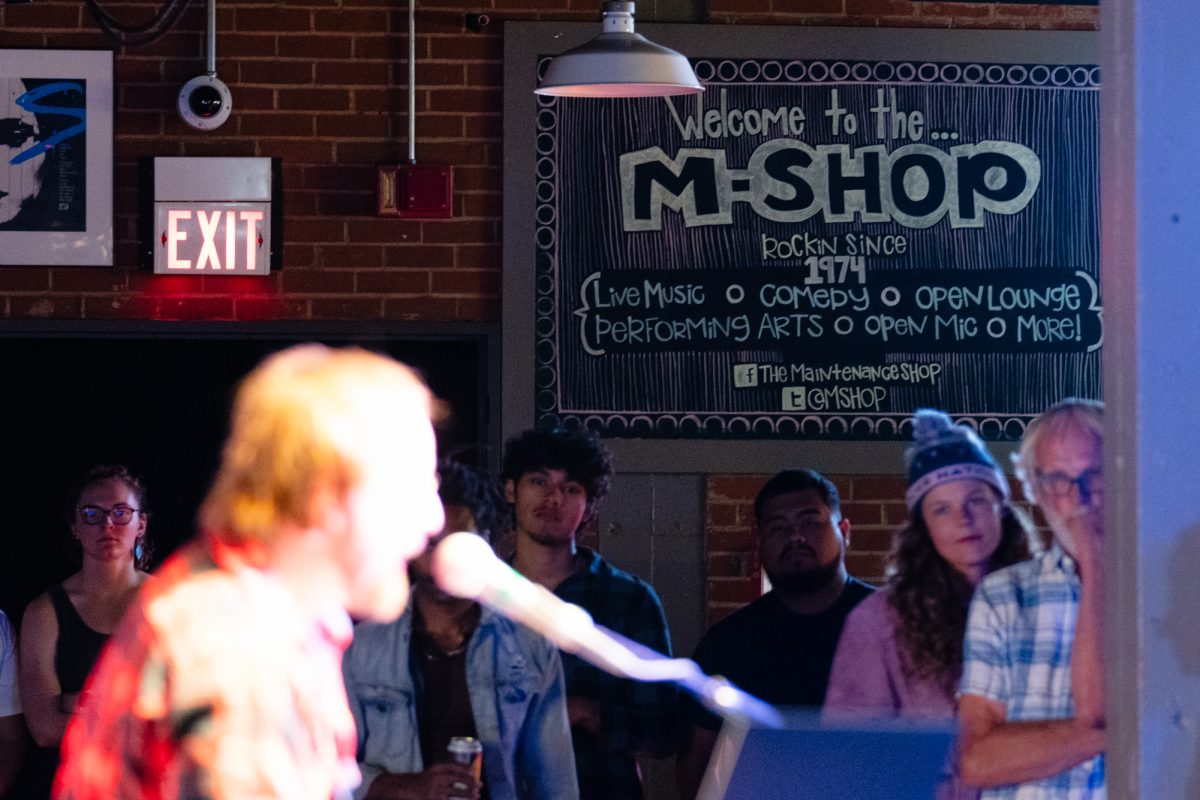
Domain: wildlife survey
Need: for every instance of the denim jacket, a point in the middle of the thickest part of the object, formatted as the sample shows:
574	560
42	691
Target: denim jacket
515	678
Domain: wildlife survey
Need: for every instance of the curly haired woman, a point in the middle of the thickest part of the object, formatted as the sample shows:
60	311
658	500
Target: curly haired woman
900	653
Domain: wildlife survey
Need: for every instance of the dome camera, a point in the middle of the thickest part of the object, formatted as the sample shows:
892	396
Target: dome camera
205	102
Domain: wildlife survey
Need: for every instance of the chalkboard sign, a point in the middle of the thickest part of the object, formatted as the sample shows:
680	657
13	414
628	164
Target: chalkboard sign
814	248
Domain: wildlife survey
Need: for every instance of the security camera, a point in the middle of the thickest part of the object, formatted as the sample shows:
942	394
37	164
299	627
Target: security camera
205	102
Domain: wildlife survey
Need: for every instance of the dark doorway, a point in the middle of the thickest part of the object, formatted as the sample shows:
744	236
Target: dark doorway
156	397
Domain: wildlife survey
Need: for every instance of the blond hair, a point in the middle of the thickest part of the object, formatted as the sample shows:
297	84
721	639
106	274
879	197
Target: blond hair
307	414
1075	414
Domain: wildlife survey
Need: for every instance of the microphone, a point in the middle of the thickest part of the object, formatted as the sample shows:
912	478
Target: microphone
465	566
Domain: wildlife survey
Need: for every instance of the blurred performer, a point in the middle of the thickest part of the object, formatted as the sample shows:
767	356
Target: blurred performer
449	668
224	679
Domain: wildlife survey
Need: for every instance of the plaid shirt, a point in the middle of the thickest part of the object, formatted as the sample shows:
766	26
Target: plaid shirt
213	686
637	716
1018	653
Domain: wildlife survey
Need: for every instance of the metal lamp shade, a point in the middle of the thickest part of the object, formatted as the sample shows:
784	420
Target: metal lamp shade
619	64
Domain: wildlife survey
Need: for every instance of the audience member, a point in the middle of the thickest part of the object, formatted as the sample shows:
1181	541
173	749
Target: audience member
64	630
555	480
900	653
450	668
780	647
1031	711
224	678
13	743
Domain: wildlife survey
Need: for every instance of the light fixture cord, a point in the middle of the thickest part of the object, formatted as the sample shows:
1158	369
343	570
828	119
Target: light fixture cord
412	81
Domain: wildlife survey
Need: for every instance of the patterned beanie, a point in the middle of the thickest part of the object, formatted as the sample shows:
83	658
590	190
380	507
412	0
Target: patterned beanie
944	452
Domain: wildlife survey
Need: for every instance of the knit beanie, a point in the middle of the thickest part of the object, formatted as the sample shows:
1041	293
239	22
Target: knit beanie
944	452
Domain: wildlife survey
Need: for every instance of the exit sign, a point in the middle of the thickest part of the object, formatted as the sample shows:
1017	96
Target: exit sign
212	238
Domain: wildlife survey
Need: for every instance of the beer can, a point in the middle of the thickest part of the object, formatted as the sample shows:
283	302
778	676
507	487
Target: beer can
467	751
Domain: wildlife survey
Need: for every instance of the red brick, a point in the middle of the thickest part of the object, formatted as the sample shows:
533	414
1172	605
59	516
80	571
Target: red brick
890	8
243	285
876	487
868	566
132	123
274	124
348	204
435	74
740	590
45	307
314	99
349	126
121	307
424	256
477	309
370	153
723	515
387	47
895	513
863	513
346	308
272	20
730	541
730	566
196	308
317	46
249	45
270	308
1028	10
428	309
128	70
353	73
298	151
182	44
148	98
307	281
870	540
47	15
383	230
466	282
450	231
298	255
483	256
275	72
483	126
24	279
735	487
88	280
963	11
461	48
364	20
392	281
351	256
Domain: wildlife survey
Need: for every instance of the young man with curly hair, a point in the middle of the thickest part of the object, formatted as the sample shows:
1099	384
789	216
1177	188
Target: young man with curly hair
554	479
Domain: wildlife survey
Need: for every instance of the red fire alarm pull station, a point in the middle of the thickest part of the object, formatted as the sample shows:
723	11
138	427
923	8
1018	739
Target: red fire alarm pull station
422	191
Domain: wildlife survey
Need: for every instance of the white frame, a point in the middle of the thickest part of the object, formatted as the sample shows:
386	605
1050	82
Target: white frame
93	246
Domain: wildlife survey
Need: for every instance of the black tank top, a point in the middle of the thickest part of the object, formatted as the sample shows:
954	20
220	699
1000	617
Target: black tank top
78	645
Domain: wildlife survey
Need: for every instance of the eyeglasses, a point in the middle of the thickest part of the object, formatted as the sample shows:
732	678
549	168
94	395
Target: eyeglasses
95	515
1057	484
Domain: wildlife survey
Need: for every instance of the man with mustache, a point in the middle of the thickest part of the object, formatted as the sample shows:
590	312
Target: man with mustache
1031	708
555	479
780	647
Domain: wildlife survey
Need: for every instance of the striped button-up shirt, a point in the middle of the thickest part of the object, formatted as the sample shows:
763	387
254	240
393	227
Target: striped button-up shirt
1017	653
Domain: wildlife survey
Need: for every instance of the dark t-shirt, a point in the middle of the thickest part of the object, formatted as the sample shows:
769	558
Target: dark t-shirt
774	654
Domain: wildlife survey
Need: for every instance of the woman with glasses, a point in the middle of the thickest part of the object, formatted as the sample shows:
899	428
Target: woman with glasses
64	629
900	652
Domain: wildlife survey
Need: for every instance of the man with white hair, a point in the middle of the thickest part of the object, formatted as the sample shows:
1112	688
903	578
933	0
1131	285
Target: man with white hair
1031	705
224	680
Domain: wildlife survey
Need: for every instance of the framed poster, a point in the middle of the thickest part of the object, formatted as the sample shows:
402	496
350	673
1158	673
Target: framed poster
56	157
834	234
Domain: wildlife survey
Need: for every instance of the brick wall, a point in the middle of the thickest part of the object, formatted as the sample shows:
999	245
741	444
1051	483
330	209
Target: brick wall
323	84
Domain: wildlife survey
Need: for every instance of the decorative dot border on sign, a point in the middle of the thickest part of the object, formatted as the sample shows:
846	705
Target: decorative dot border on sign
741	426
952	73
